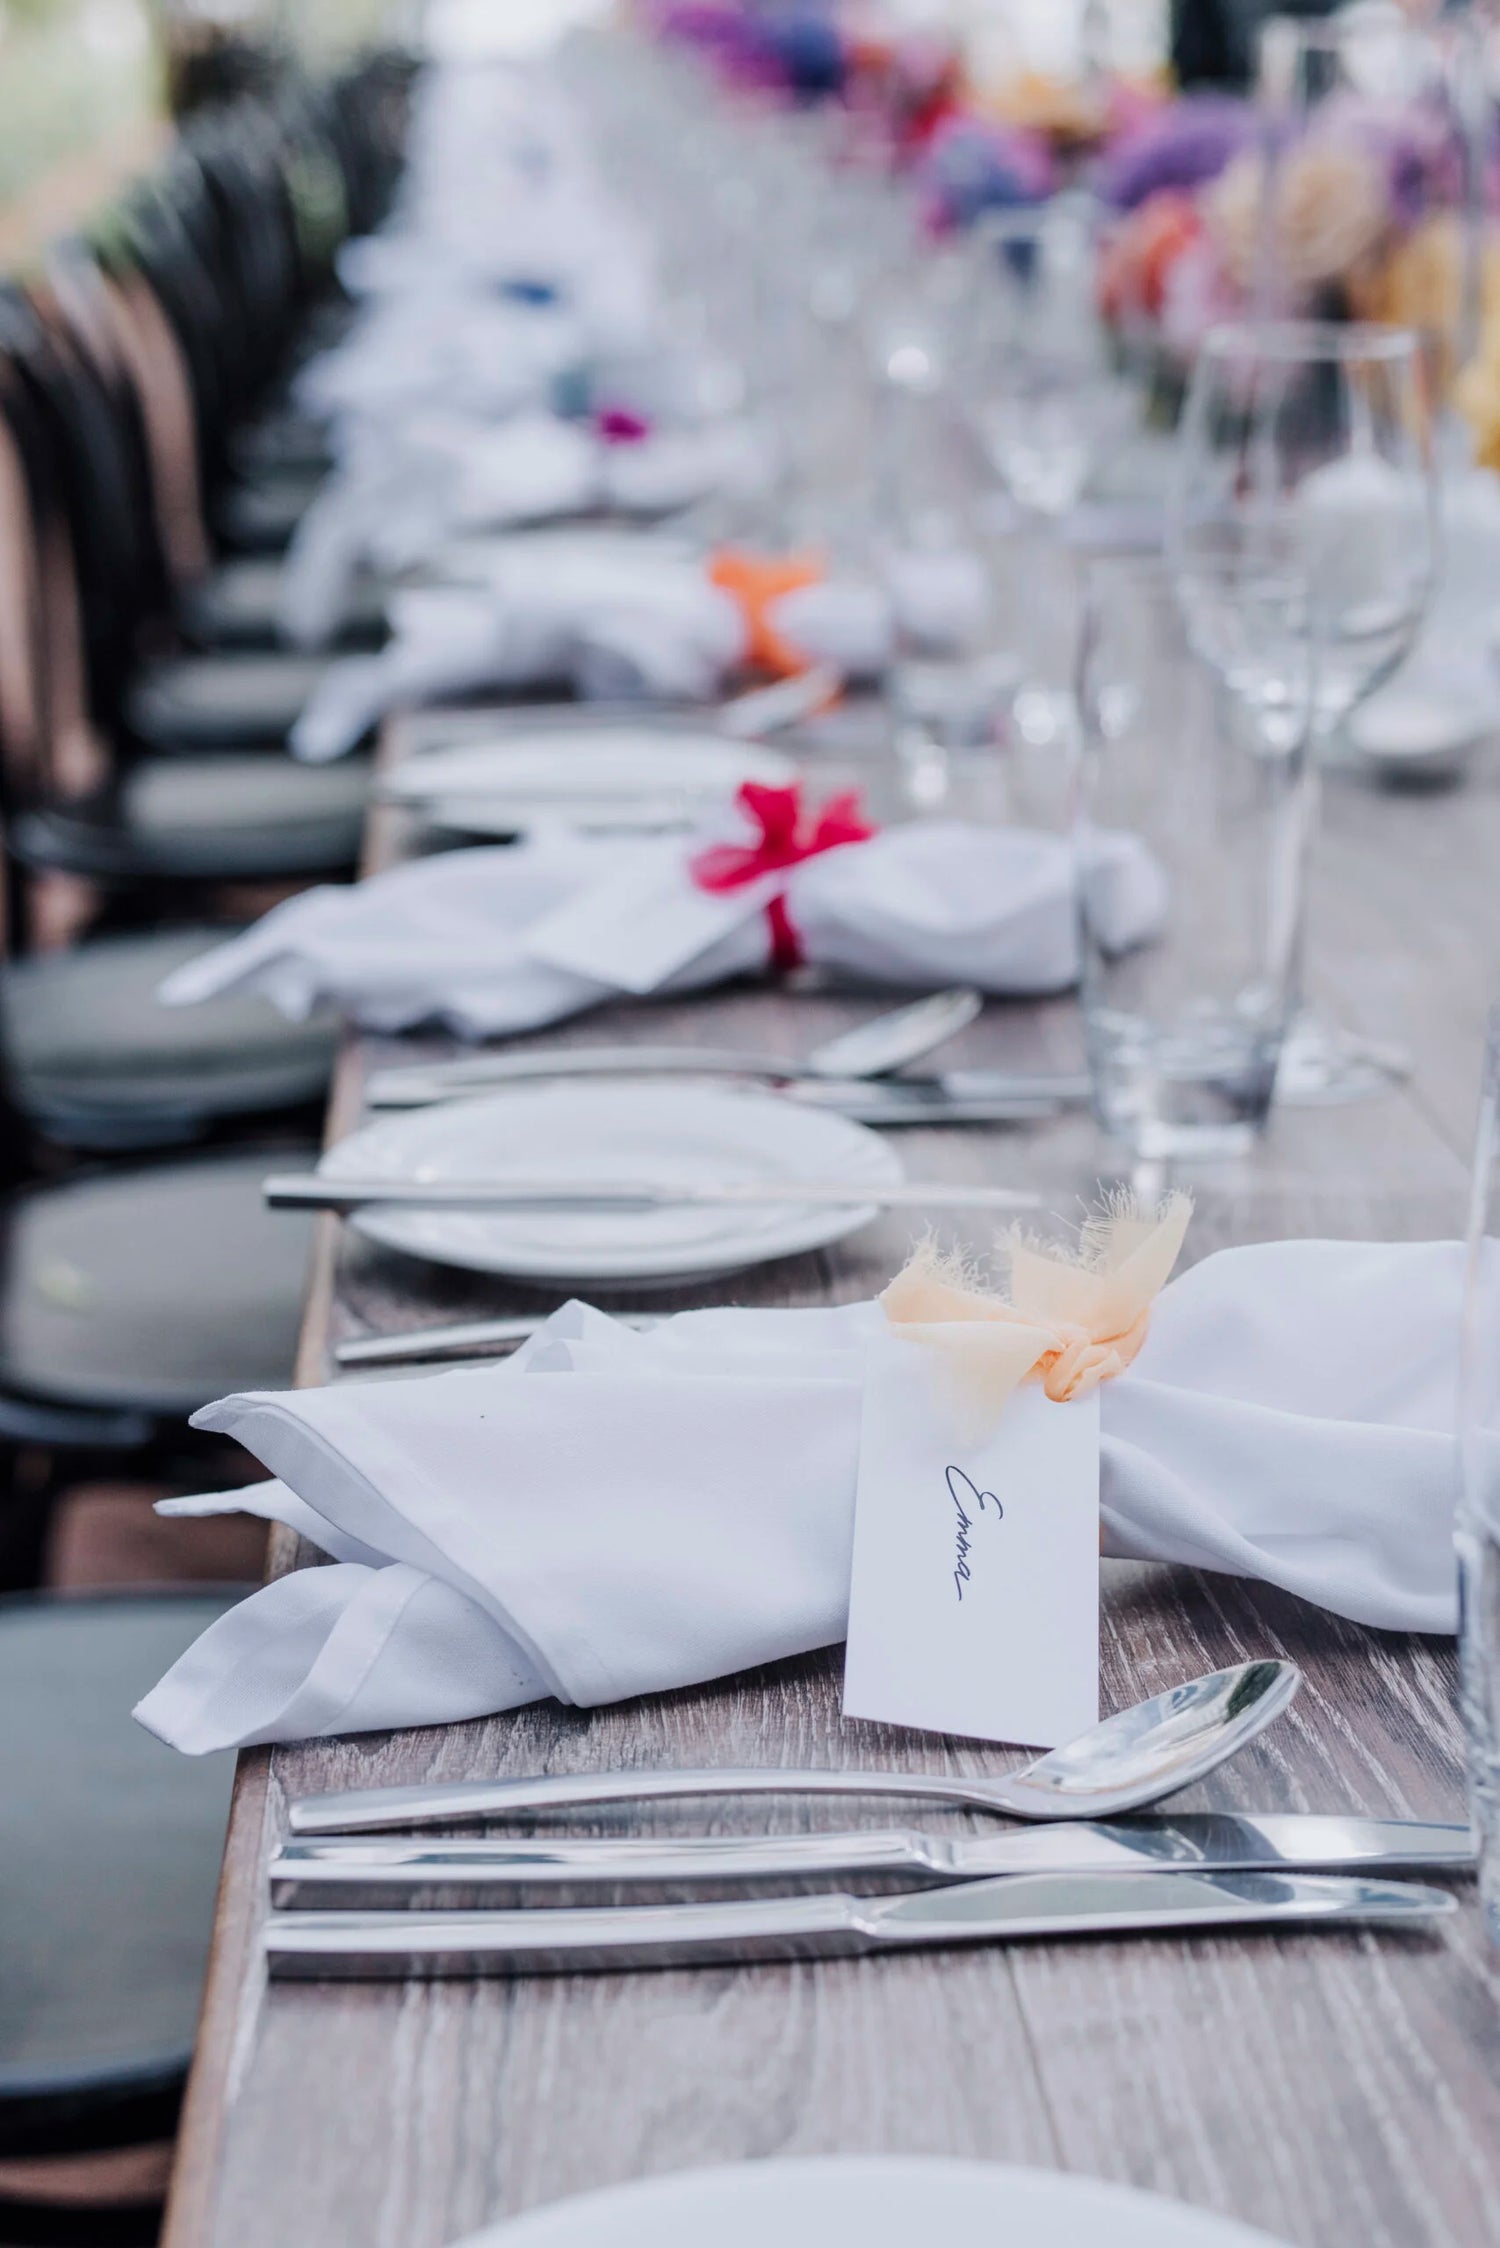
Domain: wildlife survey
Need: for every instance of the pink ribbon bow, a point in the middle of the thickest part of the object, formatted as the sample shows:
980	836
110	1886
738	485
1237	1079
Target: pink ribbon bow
782	844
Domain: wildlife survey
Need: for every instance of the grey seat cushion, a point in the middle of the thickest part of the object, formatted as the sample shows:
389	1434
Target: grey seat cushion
215	817
85	1030
245	811
158	1287
216	701
112	1850
258	514
238	605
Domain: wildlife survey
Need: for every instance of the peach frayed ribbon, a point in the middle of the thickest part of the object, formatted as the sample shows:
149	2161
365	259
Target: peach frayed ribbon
1071	1321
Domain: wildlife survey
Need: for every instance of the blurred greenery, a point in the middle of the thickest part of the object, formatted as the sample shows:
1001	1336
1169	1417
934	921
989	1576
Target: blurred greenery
76	76
82	80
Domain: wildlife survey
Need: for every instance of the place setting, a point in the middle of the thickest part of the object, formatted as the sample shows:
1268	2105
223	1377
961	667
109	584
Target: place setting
842	1531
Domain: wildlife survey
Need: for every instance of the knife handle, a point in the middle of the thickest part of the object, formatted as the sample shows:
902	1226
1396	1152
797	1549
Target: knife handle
412	1946
354	1873
417	1086
367	1810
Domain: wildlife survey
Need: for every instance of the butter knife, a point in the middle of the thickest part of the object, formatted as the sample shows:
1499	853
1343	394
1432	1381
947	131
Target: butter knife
465	1338
387	1873
315	1190
419	1087
323	1946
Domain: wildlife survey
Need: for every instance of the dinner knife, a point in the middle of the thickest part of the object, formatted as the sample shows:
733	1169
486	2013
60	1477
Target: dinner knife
389	1872
465	1338
323	1946
419	1087
315	1190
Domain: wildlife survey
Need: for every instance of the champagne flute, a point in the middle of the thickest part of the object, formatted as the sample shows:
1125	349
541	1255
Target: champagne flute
1301	539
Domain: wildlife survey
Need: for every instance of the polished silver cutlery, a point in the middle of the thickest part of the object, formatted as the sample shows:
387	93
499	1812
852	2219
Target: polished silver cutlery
364	1872
885	1043
466	1338
1019	1908
1129	1760
314	1190
762	711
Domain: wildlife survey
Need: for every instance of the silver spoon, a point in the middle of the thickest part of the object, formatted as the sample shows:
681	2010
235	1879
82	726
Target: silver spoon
875	1048
1131	1759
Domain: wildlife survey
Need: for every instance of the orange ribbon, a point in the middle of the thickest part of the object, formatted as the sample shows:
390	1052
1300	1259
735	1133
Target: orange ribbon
756	582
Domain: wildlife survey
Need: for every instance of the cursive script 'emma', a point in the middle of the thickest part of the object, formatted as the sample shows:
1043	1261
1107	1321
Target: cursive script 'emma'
965	1493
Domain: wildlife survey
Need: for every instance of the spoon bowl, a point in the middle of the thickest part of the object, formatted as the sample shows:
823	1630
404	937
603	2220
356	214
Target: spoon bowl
1155	1748
888	1042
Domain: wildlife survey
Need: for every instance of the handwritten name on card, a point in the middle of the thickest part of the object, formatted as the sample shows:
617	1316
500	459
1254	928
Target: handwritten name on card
974	1601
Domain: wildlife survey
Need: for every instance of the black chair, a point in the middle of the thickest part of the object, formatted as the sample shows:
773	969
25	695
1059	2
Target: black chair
107	1887
85	798
229	249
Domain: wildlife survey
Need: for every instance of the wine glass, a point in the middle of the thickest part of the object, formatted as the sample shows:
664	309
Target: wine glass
1301	538
1044	399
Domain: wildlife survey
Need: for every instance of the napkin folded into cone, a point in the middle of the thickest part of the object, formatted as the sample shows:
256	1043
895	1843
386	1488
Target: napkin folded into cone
506	939
612	1513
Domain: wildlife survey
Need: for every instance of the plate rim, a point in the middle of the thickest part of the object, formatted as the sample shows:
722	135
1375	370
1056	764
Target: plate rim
547	2223
825	1224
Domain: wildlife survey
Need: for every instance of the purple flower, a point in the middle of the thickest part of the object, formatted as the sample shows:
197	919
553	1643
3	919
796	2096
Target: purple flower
971	165
1184	145
1416	145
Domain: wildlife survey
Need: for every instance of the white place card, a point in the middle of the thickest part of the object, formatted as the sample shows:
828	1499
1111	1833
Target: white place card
637	927
974	1602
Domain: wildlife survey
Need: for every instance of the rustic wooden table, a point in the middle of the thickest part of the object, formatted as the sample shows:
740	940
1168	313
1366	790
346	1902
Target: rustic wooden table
1332	2089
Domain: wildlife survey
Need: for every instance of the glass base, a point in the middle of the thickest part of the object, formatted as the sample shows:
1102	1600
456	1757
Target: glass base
1323	1066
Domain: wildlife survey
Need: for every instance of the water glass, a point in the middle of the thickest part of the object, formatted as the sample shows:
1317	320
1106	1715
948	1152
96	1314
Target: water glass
1478	1529
1184	1033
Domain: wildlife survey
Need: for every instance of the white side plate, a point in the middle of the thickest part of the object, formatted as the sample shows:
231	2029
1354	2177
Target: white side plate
615	1130
591	776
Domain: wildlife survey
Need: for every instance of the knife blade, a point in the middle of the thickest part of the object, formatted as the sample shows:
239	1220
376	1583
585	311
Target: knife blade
391	1871
323	1946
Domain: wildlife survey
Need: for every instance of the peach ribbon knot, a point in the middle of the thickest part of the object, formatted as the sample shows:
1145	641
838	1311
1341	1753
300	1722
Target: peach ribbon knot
1069	1321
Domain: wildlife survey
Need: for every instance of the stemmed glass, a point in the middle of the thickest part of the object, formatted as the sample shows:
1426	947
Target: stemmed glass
1047	408
1044	399
1478	1512
1300	535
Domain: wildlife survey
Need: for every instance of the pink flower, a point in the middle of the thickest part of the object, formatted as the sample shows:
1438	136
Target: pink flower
1197	294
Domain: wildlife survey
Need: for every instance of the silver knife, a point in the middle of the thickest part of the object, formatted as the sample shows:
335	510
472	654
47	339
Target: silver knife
314	1190
418	1087
465	1338
323	1946
386	1874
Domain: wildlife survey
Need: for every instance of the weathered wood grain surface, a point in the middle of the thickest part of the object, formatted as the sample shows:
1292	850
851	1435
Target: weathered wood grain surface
1334	2090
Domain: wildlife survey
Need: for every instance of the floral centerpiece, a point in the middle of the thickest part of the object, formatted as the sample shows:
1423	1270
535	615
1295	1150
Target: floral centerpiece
1357	217
972	145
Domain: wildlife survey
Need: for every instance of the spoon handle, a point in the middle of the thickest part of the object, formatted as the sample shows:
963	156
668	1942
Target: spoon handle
365	1810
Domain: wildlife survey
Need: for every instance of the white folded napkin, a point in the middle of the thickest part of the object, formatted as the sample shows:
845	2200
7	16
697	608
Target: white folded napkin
612	1513
603	613
507	938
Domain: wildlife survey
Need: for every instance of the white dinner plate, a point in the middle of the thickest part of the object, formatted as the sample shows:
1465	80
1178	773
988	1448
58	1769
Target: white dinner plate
589	776
874	2202
1414	734
614	1131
